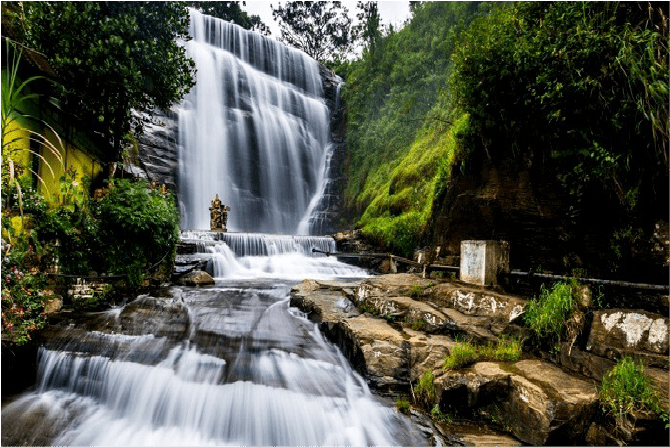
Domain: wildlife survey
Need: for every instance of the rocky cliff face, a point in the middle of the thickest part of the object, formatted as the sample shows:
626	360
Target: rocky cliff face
157	157
327	212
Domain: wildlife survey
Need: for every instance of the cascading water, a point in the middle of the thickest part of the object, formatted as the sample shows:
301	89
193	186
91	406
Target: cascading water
232	363
254	130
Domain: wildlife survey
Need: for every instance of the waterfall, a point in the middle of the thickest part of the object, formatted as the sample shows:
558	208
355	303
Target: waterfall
254	130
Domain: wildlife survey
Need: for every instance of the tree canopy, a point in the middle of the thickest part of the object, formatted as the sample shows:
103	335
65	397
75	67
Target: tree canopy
320	29
111	57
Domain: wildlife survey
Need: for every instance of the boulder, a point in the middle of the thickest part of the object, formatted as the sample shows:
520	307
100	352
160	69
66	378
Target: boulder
378	351
158	316
536	401
196	278
618	332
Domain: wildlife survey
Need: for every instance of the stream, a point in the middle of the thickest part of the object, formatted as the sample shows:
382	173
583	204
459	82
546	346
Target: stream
247	369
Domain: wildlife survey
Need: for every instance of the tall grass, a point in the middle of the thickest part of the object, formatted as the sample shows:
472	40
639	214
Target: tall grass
626	387
547	315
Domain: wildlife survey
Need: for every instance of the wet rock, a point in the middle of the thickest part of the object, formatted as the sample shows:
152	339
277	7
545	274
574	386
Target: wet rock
406	309
618	332
196	278
379	351
158	316
537	402
325	302
426	352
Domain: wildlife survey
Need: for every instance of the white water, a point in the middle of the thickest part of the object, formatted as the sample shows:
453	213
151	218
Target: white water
251	255
254	130
253	372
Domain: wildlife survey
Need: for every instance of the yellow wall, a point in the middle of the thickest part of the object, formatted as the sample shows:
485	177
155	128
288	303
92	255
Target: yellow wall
18	150
72	158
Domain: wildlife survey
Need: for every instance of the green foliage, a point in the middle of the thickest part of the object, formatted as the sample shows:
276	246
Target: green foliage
23	292
402	404
579	88
627	388
418	325
365	307
506	349
112	57
321	29
547	316
125	233
415	290
140	225
399	111
462	355
437	415
425	388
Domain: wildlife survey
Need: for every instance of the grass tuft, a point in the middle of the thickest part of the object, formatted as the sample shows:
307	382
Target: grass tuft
506	349
626	387
547	315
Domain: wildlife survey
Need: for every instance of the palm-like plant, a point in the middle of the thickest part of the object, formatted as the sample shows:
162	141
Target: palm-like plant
14	97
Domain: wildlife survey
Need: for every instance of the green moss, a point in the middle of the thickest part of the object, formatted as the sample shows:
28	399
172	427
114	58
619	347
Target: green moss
400	195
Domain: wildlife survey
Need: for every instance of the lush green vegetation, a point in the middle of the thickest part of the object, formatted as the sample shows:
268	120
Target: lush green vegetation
627	388
232	12
109	58
125	233
575	92
506	349
402	404
425	389
400	134
549	315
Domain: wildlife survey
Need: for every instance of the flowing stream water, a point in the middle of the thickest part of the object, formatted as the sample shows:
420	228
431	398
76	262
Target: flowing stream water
230	363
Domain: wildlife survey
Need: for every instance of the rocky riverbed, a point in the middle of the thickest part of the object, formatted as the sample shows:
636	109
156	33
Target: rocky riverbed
394	327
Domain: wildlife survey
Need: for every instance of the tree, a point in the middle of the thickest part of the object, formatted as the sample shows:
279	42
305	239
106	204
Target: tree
111	57
368	31
232	12
320	29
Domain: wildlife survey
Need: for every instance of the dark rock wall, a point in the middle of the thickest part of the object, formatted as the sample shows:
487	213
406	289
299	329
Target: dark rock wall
157	157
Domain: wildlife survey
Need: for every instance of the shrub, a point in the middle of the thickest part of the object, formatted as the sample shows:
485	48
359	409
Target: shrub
548	315
626	387
415	290
137	226
128	231
402	404
437	415
425	389
23	294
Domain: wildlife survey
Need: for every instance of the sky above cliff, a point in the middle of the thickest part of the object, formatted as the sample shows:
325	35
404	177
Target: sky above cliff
392	12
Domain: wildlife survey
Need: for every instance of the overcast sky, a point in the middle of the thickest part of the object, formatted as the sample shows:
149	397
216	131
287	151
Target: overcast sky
392	12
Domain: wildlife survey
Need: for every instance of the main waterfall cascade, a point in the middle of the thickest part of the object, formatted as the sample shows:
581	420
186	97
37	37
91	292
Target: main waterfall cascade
254	130
231	363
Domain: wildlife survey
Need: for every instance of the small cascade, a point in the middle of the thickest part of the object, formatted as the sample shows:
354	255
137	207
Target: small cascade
253	372
257	255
